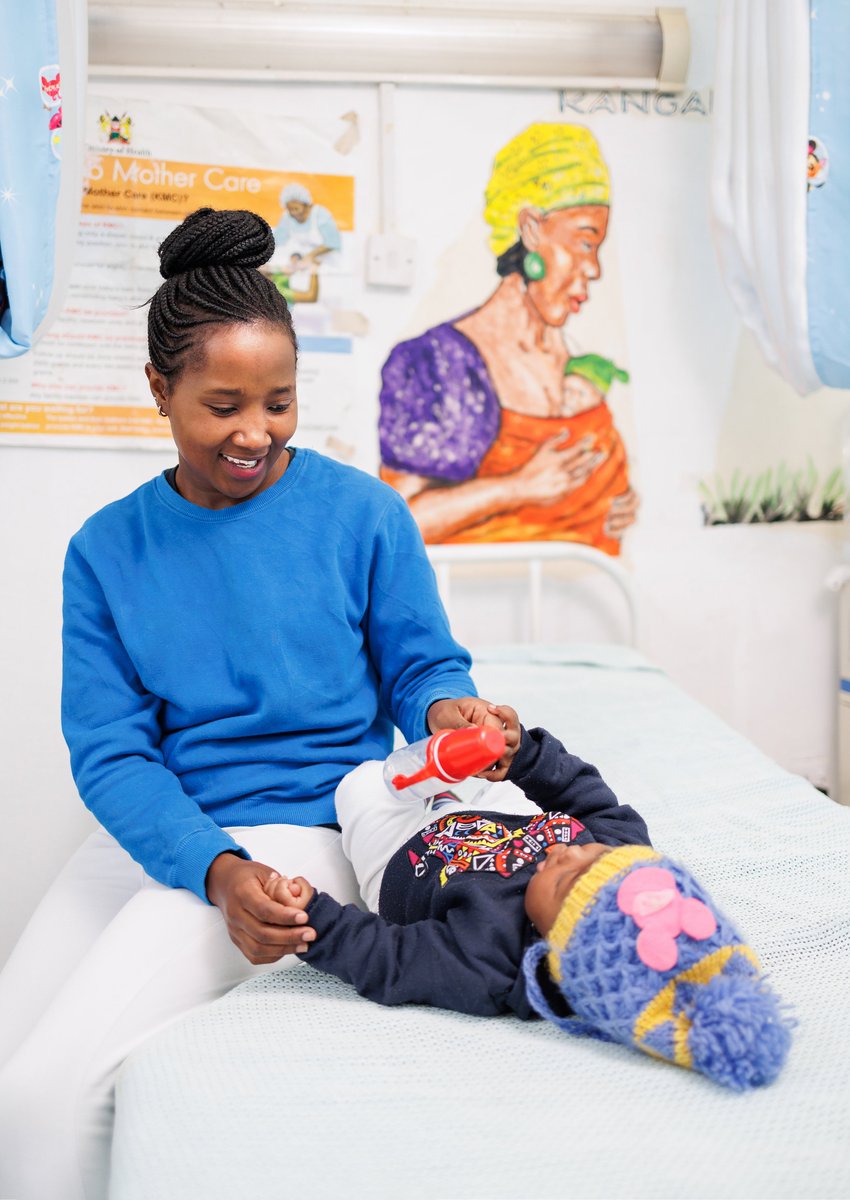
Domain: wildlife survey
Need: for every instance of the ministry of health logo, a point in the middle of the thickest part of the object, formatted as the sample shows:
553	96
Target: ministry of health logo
115	129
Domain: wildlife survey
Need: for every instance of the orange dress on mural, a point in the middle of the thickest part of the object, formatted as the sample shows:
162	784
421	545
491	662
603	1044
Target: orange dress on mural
579	516
441	419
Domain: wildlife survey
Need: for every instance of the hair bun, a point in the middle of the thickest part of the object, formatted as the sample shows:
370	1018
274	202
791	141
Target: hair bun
213	237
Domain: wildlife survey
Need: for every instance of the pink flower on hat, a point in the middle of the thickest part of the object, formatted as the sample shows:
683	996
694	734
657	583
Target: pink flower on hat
650	896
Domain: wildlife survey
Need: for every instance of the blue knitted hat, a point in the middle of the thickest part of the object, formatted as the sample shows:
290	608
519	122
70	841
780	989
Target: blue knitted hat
642	956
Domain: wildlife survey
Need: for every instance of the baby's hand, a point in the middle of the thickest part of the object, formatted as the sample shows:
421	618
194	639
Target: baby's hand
506	718
294	893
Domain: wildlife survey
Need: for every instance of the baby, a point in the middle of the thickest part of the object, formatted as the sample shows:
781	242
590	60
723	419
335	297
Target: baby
569	914
587	380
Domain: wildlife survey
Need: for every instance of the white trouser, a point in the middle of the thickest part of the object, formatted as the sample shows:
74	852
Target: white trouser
109	958
375	823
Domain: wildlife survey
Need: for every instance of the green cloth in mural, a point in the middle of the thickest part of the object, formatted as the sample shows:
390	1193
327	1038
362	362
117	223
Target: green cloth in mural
599	371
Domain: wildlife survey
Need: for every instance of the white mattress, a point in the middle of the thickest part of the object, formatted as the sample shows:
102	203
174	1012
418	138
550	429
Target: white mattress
295	1085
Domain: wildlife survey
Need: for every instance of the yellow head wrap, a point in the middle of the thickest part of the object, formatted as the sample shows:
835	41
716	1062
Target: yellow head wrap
546	167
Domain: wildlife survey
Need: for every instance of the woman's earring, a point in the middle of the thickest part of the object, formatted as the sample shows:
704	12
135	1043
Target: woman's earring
533	266
161	410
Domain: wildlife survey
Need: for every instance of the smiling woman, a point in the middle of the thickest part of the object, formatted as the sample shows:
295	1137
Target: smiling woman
237	638
231	414
223	357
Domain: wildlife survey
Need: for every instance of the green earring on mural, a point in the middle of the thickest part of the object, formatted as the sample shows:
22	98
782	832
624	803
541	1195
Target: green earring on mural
533	266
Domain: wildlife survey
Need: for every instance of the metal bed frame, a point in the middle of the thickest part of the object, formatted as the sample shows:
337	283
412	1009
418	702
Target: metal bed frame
535	555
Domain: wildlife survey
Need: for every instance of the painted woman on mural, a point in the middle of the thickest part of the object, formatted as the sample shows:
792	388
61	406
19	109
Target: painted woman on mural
488	427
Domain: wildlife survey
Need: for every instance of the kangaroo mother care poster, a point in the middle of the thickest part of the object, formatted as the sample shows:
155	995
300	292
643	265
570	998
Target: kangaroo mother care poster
149	164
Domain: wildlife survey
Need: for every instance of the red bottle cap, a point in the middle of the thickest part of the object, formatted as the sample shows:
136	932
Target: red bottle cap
454	754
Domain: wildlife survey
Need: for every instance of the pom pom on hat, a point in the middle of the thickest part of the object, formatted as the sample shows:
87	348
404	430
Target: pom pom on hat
739	1035
642	956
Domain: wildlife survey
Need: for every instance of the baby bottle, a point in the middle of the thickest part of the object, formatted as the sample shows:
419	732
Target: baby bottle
419	771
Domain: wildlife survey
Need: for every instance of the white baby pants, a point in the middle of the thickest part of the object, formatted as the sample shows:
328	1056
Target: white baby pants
375	823
109	958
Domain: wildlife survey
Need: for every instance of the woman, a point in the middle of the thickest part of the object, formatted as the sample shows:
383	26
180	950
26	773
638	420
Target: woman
473	429
306	233
238	635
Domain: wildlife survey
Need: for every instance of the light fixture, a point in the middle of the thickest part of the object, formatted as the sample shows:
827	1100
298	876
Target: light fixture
524	43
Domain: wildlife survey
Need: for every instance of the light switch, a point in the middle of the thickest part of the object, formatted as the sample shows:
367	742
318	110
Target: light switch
390	260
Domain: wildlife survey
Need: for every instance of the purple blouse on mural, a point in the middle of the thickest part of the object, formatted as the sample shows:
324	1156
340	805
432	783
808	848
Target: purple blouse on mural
439	410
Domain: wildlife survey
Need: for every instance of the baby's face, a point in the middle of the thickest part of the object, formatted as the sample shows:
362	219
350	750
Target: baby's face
578	395
553	879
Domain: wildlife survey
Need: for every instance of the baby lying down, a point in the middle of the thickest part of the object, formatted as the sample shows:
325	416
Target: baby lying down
568	913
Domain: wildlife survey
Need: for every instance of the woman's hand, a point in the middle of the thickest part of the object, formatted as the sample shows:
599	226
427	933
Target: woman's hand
457	714
292	893
262	928
622	514
472	710
556	469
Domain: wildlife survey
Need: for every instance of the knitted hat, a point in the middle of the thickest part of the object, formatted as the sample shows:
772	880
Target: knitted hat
643	957
601	372
547	166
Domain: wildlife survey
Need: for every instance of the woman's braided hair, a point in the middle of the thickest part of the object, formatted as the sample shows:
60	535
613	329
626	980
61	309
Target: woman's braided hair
209	264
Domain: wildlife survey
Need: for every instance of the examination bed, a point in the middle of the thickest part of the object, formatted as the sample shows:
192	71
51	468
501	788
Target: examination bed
292	1085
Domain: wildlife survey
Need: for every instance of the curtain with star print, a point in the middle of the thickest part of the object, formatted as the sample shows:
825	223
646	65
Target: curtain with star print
780	184
43	63
828	194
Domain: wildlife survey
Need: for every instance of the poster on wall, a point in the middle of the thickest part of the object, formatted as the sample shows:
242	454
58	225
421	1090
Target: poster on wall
496	424
150	163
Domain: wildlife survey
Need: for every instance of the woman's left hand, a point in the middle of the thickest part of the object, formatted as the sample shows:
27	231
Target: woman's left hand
457	714
472	710
622	514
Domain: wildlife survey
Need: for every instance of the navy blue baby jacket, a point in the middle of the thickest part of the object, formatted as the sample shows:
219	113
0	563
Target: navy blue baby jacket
452	927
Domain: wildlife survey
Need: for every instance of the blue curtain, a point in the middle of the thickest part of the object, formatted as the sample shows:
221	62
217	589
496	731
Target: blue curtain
30	148
828	199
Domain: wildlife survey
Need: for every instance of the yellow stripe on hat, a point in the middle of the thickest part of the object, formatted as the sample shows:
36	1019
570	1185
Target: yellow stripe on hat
660	1007
583	894
681	1050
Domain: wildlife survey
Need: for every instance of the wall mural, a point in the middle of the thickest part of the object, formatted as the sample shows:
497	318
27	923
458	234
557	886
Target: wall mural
489	428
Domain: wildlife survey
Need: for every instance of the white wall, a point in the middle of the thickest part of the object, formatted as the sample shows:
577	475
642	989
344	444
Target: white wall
737	615
45	495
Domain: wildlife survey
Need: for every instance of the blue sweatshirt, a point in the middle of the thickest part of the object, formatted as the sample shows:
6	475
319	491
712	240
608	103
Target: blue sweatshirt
228	666
452	928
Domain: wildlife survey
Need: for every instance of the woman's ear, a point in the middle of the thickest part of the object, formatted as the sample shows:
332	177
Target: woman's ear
528	223
159	387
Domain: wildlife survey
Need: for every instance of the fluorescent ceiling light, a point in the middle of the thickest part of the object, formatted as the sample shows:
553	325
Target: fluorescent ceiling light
529	44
